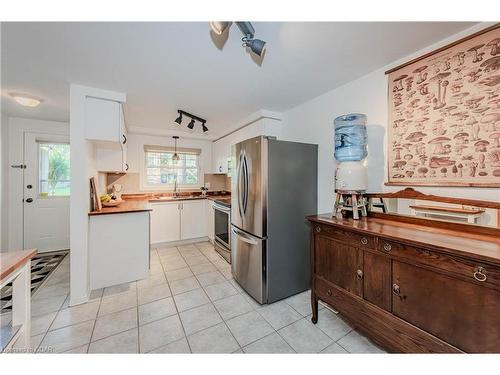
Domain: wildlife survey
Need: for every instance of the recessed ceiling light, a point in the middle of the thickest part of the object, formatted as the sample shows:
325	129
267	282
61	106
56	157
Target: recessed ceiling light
26	100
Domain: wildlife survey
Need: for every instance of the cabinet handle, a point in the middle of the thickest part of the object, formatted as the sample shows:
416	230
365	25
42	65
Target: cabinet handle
395	289
359	274
318	229
124	138
364	240
387	247
480	275
126	166
329	292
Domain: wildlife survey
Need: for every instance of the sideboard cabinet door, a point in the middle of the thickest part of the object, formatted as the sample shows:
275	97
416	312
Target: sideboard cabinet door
340	264
377	280
465	314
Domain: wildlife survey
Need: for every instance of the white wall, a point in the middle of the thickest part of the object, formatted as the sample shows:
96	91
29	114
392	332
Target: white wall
82	169
313	122
12	198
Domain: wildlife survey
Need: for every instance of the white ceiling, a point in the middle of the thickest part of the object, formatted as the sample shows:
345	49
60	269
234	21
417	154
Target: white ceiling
168	66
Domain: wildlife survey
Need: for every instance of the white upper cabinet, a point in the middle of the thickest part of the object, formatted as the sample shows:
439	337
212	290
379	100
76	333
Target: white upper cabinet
103	120
105	125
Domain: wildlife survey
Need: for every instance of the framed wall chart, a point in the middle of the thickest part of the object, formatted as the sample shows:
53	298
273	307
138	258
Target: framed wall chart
444	115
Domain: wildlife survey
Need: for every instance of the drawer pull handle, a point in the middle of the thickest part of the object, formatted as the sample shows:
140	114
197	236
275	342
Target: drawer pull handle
395	289
329	292
359	274
364	240
480	275
318	229
387	247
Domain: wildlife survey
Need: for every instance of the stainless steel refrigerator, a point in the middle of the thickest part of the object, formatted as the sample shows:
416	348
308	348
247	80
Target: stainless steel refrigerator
273	189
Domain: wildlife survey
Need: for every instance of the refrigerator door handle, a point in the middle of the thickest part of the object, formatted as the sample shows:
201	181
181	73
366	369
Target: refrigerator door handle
238	184
245	180
244	237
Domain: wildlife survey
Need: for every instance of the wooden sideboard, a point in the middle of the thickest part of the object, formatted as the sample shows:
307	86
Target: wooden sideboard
411	285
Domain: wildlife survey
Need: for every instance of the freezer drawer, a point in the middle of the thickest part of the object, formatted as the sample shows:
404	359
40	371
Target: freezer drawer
247	263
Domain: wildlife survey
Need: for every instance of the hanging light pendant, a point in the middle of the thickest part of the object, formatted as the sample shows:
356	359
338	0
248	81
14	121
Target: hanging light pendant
176	156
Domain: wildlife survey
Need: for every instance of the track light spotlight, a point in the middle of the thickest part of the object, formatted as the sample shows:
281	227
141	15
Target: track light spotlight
191	124
205	129
257	46
179	119
219	27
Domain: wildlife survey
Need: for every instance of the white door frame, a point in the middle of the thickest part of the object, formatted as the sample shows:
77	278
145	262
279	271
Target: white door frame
33	173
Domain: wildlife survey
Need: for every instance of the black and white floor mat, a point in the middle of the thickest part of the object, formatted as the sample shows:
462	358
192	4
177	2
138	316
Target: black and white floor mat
42	265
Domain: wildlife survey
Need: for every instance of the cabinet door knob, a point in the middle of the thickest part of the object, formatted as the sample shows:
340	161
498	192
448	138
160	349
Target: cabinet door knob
395	289
359	274
480	275
318	229
387	247
329	292
364	240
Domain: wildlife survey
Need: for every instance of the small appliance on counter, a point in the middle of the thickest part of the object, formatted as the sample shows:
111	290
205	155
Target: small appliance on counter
351	179
274	186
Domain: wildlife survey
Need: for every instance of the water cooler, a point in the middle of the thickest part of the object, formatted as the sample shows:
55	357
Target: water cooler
351	179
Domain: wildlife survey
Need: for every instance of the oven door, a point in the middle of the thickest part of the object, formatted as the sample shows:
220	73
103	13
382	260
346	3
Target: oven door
222	223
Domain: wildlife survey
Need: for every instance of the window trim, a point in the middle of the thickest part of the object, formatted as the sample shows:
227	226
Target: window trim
168	187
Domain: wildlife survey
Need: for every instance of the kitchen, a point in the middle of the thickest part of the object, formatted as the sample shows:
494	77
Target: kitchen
256	217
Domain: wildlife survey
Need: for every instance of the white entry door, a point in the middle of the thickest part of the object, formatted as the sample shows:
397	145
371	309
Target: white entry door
46	191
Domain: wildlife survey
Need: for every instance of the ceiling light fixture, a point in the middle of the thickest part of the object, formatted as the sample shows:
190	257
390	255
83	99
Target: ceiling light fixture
193	119
26	100
179	119
219	27
205	129
257	46
176	156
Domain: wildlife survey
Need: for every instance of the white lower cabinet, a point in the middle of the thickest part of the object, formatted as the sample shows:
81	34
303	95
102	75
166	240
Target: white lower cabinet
174	221
193	221
209	207
118	248
165	222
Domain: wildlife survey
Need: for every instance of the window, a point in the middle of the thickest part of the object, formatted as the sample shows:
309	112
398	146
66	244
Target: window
53	169
162	170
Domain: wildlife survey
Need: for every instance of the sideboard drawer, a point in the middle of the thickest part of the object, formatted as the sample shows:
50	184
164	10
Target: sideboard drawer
474	271
352	238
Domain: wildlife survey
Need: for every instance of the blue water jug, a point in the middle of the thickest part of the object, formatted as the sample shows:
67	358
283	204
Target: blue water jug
350	137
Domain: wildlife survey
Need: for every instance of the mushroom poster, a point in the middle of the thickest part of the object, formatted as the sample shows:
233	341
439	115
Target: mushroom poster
444	115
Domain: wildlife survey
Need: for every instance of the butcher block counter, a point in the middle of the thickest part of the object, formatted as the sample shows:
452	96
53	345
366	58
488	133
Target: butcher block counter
412	285
127	206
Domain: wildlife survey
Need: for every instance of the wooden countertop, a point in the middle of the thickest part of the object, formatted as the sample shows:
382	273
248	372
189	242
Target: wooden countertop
457	210
127	206
12	260
483	247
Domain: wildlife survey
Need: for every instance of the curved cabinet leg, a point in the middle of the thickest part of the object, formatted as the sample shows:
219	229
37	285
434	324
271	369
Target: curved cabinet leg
314	305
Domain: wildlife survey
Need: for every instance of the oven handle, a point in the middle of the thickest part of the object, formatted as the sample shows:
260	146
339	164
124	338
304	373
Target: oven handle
244	237
221	208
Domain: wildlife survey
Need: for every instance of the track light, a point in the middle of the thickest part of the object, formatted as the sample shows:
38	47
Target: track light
257	46
219	27
179	119
193	119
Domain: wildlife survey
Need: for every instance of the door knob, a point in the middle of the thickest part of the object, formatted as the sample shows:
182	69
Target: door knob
29	200
29	186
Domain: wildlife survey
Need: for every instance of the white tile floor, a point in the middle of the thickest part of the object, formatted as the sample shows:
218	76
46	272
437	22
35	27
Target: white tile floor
189	304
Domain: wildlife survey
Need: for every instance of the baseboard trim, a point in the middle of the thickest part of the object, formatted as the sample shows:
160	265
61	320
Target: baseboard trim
179	243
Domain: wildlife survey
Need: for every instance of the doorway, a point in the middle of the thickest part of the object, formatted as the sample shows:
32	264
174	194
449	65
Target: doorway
46	191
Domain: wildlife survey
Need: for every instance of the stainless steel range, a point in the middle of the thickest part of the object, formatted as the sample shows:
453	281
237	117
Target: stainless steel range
222	221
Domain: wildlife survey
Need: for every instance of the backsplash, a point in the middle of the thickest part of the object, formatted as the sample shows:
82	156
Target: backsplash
131	182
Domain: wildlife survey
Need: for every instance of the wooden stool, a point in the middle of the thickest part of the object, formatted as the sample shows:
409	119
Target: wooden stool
350	201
